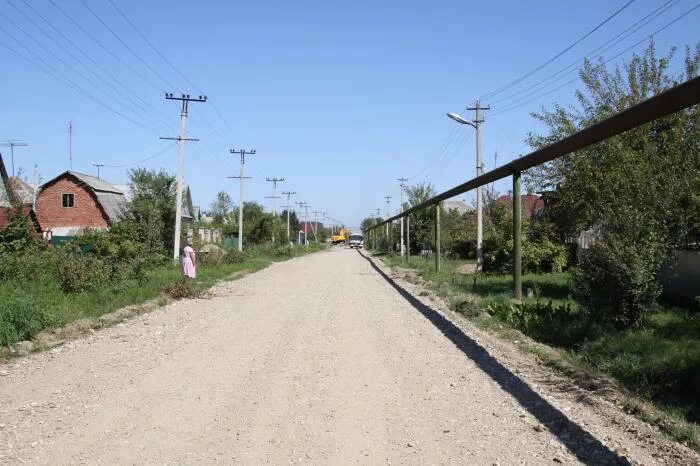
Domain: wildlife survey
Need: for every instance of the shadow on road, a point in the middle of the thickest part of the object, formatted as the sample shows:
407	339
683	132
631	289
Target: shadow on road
581	443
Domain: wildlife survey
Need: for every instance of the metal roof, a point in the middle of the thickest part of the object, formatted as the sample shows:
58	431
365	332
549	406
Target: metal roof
96	184
113	204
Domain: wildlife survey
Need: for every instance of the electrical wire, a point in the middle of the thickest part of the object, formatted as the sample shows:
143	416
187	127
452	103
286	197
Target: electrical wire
174	68
601	49
56	74
547	62
644	39
121	41
79	61
137	162
105	48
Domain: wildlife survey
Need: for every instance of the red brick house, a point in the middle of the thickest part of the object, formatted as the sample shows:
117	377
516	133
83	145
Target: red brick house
531	205
72	201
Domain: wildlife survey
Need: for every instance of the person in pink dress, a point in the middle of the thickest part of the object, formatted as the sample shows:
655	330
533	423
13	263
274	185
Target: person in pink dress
188	261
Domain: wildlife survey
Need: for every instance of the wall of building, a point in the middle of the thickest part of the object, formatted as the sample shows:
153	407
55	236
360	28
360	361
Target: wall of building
85	212
680	278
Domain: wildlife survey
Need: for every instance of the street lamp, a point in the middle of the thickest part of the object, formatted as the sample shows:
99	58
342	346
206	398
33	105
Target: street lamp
476	124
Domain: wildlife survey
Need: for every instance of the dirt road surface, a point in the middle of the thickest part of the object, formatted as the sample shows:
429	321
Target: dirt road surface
317	360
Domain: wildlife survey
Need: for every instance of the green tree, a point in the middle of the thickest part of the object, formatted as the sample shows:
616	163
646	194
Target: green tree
422	221
221	208
293	224
150	215
634	190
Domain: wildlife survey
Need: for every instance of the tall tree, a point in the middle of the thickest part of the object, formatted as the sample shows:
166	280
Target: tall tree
423	221
634	190
150	215
221	207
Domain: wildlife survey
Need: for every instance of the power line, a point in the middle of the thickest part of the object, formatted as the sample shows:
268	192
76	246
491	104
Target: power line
56	74
576	42
174	68
602	48
667	25
143	105
145	63
137	162
104	47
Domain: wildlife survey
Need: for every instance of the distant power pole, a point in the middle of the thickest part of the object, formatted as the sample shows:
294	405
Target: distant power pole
274	198
316	212
288	207
388	214
308	220
402	184
12	144
98	165
301	205
240	177
185	99
479	191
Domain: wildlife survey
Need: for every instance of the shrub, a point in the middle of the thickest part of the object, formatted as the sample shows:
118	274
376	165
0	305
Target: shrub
27	266
234	256
562	325
285	250
616	279
20	319
81	272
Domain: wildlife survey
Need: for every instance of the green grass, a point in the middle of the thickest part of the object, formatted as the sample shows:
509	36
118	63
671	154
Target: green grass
56	308
658	363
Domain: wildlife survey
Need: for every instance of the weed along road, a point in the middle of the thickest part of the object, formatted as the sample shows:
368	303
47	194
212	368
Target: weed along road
322	359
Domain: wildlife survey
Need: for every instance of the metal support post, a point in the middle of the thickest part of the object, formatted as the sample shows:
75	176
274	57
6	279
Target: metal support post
517	257
408	239
437	237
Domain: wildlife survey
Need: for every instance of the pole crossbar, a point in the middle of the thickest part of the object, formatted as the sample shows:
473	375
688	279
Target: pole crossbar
671	101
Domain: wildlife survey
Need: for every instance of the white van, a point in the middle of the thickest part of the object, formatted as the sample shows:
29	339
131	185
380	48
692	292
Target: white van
356	241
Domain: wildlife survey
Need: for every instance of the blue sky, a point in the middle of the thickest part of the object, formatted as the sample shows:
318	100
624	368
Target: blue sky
339	98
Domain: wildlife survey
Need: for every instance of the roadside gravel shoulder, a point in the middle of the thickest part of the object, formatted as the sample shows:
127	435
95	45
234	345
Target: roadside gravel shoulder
600	414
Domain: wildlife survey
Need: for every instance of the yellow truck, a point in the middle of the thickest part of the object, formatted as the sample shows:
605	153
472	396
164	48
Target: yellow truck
341	237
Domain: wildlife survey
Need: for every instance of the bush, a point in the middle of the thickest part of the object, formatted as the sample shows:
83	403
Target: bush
617	279
562	325
538	255
20	319
285	250
27	266
81	272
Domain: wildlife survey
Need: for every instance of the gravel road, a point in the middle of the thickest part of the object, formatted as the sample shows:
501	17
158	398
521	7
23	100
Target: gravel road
316	360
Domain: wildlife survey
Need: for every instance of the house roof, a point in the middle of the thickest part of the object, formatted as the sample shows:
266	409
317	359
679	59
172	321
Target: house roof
97	184
530	203
110	198
23	190
6	194
459	206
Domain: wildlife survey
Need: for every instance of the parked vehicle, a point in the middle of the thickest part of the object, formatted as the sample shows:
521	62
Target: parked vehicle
341	237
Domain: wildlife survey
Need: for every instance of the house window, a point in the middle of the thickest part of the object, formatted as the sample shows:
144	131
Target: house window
67	200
